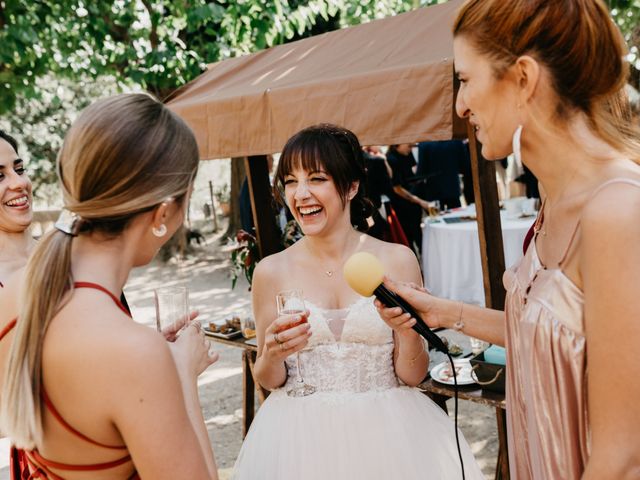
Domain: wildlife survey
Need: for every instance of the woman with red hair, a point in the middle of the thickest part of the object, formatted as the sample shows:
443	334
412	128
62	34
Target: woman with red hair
544	79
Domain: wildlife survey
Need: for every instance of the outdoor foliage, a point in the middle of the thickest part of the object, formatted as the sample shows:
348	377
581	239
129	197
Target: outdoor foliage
56	56
156	44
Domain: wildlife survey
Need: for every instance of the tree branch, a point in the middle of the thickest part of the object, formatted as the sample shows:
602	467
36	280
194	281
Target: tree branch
119	34
153	36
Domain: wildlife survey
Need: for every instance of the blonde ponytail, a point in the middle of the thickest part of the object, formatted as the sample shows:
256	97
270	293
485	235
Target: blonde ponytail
47	278
124	155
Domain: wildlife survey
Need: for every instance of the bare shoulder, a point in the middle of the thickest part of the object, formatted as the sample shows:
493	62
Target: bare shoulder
610	228
272	266
106	335
9	296
400	262
614	209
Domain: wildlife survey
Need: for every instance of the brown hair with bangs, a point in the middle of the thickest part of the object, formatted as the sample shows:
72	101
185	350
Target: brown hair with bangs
577	42
335	151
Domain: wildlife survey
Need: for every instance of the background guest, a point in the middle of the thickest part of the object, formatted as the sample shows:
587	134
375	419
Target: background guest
406	204
16	212
539	78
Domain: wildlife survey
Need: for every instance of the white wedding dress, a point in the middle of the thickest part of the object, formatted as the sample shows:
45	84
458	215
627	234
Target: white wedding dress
360	423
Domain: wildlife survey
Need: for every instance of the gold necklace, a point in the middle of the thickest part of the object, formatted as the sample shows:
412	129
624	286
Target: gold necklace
328	272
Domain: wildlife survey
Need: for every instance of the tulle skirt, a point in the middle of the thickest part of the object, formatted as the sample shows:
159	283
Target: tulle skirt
394	434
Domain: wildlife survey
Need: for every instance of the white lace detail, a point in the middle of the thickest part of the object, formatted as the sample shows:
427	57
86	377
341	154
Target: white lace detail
361	361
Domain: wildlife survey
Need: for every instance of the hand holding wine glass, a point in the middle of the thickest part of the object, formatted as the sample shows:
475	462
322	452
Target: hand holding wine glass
192	351
291	303
288	334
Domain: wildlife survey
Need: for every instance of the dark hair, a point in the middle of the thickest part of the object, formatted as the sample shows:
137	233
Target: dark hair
10	140
577	42
335	150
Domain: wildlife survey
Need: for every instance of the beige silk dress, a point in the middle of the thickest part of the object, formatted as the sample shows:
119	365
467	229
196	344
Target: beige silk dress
547	421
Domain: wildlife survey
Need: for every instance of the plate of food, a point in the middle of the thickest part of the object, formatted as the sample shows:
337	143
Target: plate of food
442	373
227	329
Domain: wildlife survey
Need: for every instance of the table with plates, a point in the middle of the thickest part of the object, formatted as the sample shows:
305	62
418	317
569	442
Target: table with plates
451	253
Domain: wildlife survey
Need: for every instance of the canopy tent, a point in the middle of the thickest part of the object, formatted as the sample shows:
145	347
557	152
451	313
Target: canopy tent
390	81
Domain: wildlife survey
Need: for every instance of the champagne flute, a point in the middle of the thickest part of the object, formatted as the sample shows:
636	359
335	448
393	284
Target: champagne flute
291	302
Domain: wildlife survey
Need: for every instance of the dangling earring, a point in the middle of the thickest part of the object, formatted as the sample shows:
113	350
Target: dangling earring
515	142
161	231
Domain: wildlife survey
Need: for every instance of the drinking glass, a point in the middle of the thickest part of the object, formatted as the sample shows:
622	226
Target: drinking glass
248	327
434	208
172	308
291	302
477	345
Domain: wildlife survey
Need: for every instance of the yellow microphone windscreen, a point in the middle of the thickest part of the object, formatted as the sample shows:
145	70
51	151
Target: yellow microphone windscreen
363	272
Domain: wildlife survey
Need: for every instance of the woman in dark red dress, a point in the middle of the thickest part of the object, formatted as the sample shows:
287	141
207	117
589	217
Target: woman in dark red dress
87	392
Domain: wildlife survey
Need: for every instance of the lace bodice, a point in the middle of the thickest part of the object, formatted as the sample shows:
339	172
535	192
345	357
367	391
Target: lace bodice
351	350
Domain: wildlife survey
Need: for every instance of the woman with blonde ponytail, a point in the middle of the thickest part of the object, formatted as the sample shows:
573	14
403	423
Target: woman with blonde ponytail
545	79
87	392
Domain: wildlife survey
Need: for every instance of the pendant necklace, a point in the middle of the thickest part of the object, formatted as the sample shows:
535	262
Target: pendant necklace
328	273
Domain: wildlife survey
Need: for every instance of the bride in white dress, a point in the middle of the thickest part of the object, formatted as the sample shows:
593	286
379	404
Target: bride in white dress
364	420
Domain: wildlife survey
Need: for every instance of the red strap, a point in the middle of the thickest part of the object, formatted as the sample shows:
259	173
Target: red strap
63	422
7	328
527	239
95	286
38	461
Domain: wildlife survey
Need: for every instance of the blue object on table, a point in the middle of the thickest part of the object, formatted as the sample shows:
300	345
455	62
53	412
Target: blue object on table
495	354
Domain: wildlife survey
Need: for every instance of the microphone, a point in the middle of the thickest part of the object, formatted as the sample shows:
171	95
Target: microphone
364	274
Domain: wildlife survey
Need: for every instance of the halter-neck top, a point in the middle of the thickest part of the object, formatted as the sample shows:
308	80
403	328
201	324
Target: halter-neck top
29	464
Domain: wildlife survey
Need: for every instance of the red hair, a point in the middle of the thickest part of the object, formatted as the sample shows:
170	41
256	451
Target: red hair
577	42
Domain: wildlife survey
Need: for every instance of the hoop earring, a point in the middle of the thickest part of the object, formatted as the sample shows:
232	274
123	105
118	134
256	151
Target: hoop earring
515	142
159	232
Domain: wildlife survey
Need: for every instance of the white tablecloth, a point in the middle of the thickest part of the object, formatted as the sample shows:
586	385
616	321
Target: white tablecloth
451	255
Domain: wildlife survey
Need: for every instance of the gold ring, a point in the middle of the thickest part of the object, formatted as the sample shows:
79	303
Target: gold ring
282	346
277	340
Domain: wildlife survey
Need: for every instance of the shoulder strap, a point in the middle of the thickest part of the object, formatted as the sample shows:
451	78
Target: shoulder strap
95	286
598	189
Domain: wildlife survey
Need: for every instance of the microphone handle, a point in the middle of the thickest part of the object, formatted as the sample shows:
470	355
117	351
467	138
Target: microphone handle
390	299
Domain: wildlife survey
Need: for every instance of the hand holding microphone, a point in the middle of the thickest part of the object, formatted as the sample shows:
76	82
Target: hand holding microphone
364	274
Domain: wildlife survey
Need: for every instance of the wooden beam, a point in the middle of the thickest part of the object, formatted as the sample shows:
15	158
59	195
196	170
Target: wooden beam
267	233
489	226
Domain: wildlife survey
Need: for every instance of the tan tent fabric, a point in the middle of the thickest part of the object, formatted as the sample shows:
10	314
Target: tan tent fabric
390	81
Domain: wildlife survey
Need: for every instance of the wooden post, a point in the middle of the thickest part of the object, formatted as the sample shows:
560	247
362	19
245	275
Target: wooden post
489	226
213	208
248	393
267	233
